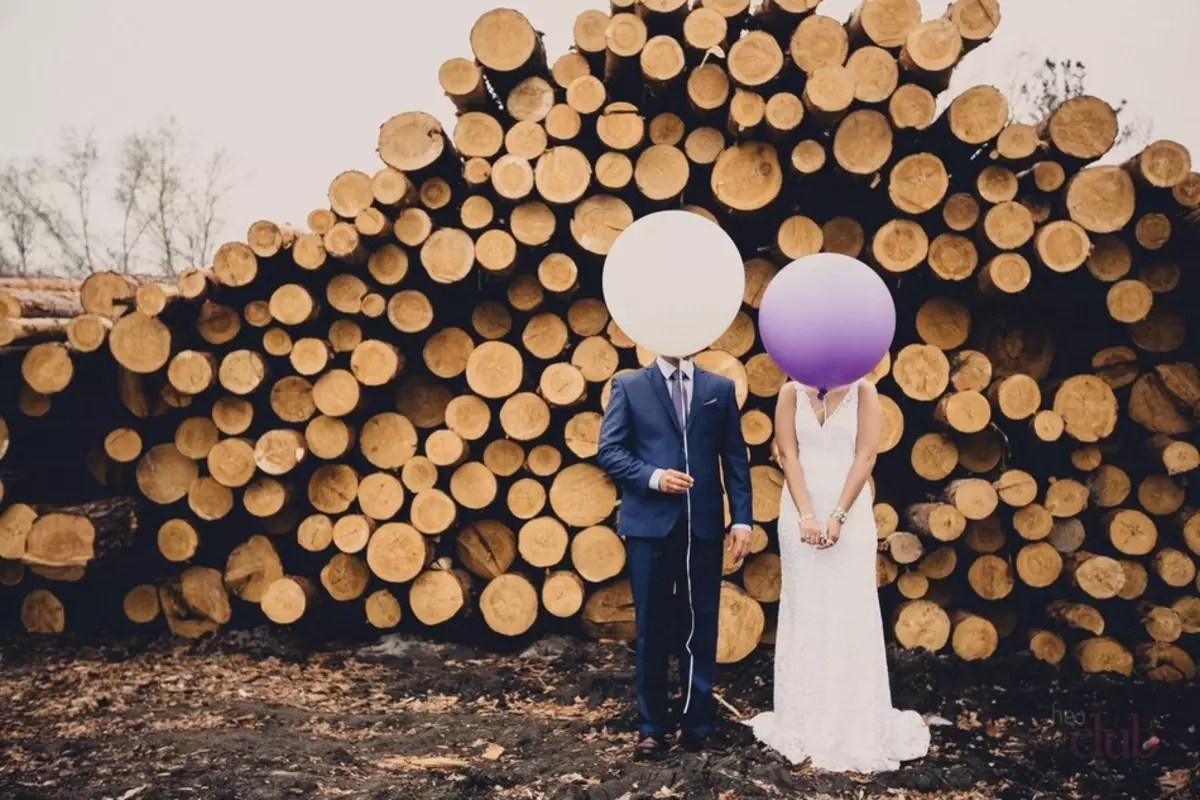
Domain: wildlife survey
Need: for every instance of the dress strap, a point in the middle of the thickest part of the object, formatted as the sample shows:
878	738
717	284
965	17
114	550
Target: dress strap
802	391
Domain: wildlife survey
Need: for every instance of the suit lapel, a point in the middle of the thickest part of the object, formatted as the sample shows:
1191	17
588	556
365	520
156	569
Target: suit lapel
699	395
659	384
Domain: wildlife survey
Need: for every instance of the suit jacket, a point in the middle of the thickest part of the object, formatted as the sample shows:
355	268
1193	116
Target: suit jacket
641	433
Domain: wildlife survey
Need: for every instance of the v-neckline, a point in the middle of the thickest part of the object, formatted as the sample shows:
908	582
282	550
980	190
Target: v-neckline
812	408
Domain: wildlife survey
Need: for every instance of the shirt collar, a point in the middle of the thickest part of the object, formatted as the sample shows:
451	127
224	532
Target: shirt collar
669	369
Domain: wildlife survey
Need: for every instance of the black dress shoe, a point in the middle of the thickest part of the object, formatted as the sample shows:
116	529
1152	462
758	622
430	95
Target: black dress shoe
651	748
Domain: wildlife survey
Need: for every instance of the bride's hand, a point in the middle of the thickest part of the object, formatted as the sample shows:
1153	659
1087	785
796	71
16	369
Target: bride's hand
833	532
810	532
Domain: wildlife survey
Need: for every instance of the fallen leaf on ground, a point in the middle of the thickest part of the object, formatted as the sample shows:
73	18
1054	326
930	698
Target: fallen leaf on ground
968	721
1177	780
769	788
493	753
575	777
406	764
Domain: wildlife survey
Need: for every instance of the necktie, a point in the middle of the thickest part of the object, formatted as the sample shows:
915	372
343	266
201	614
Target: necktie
677	395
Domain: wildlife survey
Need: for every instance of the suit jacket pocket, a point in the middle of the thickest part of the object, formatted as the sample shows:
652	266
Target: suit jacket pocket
709	418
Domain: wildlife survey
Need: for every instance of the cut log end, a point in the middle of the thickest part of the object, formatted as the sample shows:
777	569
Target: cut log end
1084	128
922	624
286	599
742	626
747	177
509	604
863	142
1101	199
1088	408
978	115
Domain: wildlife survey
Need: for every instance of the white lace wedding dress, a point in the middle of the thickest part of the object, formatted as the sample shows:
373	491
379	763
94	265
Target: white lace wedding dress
832	699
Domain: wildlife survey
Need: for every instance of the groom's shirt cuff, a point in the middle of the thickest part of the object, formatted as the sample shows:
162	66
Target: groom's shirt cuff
656	477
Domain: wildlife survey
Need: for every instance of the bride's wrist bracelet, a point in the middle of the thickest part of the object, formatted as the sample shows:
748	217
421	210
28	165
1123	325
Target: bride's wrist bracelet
807	518
840	515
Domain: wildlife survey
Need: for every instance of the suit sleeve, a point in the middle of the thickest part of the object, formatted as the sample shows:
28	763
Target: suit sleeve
616	435
736	466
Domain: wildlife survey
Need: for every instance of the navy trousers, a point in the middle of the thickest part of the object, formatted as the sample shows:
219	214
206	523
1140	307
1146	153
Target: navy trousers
658	571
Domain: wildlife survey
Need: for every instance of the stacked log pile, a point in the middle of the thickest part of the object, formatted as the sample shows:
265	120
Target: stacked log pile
395	410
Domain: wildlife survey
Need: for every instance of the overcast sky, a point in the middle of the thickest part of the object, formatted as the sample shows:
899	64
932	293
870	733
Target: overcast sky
296	90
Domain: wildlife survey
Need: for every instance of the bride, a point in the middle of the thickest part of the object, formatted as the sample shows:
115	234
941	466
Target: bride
832	700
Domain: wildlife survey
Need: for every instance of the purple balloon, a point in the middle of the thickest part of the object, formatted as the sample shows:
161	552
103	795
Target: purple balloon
827	319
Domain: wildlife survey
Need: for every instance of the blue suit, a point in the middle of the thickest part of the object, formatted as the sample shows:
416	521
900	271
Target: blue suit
640	434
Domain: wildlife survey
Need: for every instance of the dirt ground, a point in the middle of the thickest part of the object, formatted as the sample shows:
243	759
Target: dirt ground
254	716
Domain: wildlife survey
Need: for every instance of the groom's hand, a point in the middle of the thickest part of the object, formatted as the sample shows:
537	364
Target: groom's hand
674	482
739	543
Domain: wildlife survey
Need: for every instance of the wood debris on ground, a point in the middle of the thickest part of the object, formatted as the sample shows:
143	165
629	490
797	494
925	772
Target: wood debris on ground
215	718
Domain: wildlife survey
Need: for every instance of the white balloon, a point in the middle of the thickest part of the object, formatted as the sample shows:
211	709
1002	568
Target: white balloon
674	282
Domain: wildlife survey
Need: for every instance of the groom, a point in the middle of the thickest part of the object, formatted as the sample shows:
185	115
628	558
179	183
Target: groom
669	431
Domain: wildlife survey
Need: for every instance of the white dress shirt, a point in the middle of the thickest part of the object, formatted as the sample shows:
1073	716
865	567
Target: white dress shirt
668	370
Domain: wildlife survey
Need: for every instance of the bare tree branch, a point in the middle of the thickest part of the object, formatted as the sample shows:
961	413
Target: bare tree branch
1035	93
203	222
166	185
165	213
30	194
18	248
132	176
1136	130
78	173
